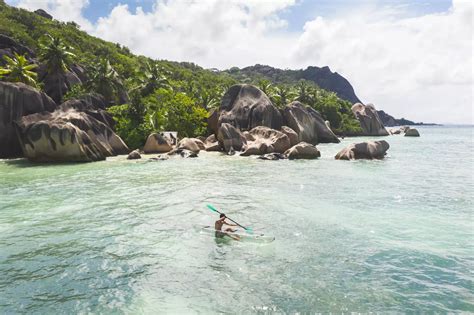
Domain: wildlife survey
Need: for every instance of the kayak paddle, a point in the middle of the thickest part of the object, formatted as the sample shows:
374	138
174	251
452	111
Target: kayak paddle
249	230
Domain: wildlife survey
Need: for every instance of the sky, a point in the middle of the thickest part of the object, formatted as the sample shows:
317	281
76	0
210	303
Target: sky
413	59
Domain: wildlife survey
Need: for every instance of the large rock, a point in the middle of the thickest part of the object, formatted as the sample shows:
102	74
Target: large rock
369	120
364	150
212	144
302	150
412	132
69	136
292	135
230	138
56	85
16	101
44	14
134	155
92	104
266	140
156	143
212	121
308	124
9	46
191	144
246	107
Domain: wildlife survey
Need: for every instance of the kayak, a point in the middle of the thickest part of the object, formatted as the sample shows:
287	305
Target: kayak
242	235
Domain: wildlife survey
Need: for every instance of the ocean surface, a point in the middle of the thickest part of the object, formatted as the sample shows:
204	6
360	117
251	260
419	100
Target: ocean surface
395	235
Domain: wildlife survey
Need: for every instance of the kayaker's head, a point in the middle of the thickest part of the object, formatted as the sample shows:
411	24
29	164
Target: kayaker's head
222	215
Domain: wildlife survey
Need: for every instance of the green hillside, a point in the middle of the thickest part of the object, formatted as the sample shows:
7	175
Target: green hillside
163	95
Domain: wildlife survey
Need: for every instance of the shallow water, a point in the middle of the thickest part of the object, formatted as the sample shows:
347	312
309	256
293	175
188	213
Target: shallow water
116	236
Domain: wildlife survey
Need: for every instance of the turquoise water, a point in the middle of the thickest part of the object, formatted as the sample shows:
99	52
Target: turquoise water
117	237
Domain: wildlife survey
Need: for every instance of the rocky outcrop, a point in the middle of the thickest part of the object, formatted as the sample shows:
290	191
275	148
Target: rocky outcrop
369	120
230	138
246	107
134	155
364	150
266	140
92	104
9	46
212	121
56	85
291	134
191	144
212	144
16	101
390	121
44	14
156	143
302	150
412	132
308	124
69	136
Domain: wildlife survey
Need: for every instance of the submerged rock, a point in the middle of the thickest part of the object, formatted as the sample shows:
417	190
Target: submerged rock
156	143
369	120
230	137
412	132
134	155
67	137
272	156
246	107
308	124
16	101
364	150
303	150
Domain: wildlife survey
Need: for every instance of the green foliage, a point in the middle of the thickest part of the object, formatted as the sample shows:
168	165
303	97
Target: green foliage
55	54
104	79
19	69
164	95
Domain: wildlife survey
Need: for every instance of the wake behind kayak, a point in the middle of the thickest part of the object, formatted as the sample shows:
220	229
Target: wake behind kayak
258	238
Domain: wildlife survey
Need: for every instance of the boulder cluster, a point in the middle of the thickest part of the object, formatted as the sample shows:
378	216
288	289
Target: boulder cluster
406	131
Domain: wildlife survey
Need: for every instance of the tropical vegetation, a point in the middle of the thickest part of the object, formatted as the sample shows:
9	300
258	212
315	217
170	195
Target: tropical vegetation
143	94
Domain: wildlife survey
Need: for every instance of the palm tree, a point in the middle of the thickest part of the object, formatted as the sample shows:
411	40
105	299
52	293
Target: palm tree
154	79
282	95
303	90
56	55
19	69
105	80
265	86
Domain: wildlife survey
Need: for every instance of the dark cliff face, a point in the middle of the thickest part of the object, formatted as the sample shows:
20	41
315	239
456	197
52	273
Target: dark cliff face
390	121
331	81
323	77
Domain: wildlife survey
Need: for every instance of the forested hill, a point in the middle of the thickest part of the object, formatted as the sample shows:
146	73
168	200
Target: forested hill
323	77
146	95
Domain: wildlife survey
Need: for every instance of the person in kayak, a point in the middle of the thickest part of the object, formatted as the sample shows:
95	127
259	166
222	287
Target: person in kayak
218	227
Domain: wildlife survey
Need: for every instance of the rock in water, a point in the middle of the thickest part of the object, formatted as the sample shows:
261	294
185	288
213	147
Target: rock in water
369	120
302	150
67	137
292	135
212	144
191	144
134	155
412	132
364	150
266	140
308	124
272	156
156	143
246	107
16	101
230	137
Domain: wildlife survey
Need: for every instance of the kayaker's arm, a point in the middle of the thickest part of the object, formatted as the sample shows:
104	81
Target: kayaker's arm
230	224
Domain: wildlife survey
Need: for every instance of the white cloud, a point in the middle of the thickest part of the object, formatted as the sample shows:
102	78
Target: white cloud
63	10
417	67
